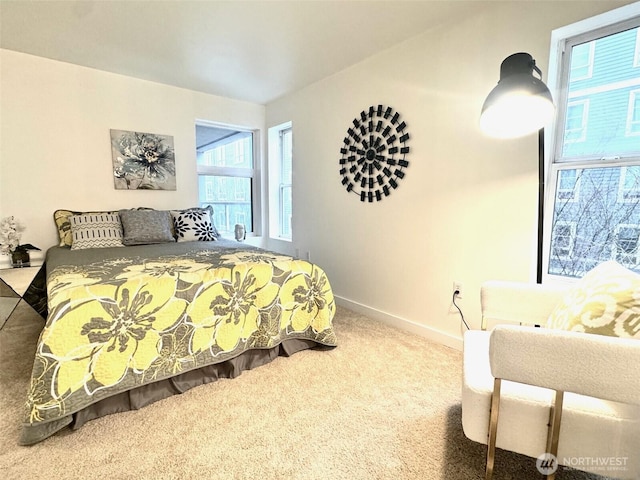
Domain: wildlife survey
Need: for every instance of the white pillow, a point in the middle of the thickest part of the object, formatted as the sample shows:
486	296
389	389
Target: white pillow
98	230
193	225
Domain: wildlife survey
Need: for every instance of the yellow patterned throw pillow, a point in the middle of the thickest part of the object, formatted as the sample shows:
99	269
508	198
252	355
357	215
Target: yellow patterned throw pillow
61	217
605	301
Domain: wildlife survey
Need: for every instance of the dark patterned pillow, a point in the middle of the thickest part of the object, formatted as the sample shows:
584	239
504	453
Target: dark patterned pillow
209	210
193	225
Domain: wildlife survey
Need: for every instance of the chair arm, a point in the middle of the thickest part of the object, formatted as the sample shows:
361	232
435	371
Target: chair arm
583	363
518	302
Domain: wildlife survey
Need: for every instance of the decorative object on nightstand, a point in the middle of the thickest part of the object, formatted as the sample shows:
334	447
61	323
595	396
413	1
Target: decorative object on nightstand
240	232
10	234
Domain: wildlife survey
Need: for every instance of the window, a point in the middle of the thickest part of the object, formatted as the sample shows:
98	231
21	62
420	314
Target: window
636	61
633	115
576	127
280	180
594	212
582	61
626	244
226	175
629	184
568	185
563	240
286	156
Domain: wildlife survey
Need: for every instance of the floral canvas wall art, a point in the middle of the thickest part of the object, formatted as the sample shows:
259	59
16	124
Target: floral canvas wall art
143	161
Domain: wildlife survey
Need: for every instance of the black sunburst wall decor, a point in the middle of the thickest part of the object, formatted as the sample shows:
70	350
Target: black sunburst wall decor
373	154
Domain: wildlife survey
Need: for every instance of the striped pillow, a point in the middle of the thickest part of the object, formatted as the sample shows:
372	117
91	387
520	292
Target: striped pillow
99	230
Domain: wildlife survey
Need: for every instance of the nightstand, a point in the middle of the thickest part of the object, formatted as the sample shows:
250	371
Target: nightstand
21	283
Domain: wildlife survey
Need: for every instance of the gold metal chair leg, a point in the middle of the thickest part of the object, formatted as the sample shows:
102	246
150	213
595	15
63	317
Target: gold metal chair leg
493	428
554	428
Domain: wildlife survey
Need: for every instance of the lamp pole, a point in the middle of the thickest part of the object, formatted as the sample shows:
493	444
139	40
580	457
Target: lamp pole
541	183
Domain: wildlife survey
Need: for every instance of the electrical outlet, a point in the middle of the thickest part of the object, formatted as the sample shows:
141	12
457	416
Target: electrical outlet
457	287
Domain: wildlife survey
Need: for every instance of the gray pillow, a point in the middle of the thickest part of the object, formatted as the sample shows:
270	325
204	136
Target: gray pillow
142	227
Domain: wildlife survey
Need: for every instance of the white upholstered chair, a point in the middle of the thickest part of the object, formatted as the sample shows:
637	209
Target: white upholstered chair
513	375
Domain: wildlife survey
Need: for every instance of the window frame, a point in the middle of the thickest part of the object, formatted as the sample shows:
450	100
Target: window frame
589	64
576	189
572	238
615	246
622	198
636	59
276	183
283	185
634	104
562	40
253	174
583	124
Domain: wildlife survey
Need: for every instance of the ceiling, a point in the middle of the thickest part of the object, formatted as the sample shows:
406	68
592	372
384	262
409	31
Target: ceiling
249	50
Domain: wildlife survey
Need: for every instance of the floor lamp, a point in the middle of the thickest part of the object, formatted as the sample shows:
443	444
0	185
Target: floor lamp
519	105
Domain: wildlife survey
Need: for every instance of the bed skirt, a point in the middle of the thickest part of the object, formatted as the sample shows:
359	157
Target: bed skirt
150	393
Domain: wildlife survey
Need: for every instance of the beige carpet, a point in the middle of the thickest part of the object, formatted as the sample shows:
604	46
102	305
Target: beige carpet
383	405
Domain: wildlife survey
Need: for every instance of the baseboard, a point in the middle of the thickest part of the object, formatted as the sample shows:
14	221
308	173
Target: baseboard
402	323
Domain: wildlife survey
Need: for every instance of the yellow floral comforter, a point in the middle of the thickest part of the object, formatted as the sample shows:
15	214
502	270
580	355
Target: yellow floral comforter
123	322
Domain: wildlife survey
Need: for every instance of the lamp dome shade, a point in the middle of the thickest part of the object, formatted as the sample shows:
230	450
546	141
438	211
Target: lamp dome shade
520	104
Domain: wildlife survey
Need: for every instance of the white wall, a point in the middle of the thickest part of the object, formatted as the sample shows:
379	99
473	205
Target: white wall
466	209
55	145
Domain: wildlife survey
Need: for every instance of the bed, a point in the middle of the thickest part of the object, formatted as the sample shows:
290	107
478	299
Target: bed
129	326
